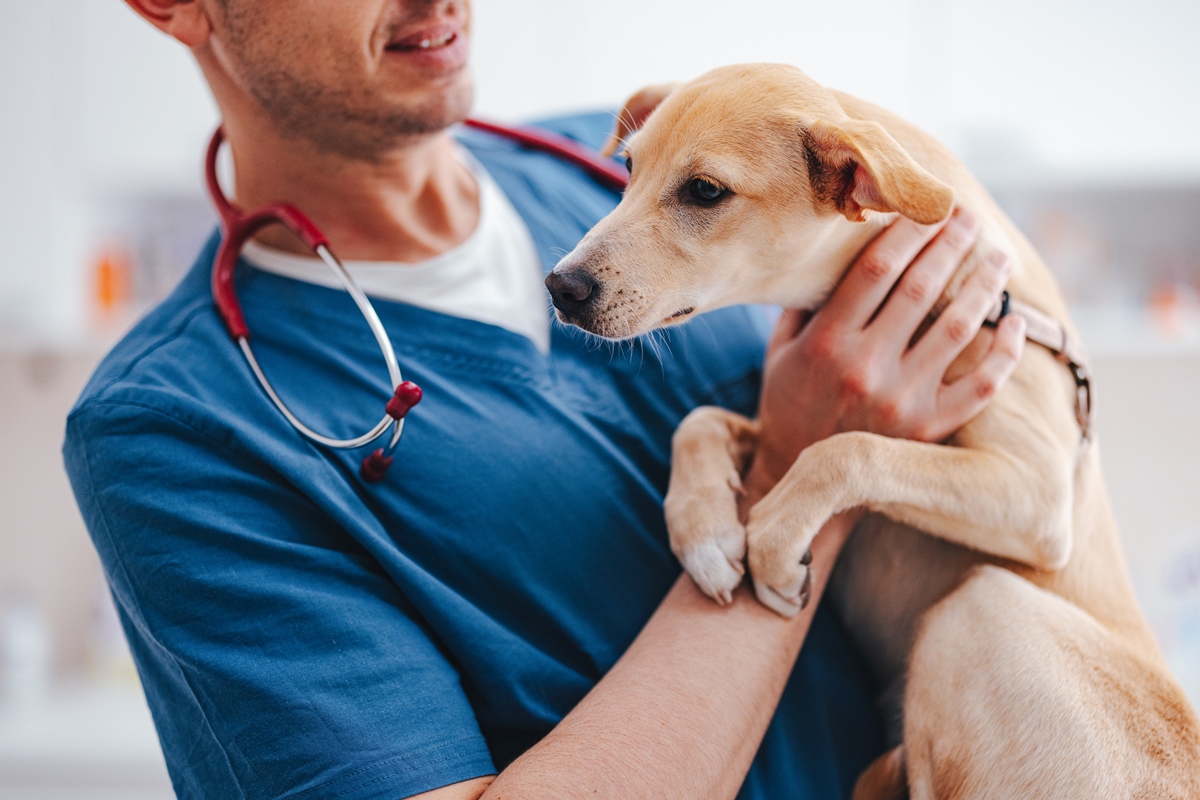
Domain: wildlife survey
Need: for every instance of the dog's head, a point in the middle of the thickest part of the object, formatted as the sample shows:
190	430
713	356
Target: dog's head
738	180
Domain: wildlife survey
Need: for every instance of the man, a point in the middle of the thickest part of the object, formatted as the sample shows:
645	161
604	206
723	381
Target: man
500	617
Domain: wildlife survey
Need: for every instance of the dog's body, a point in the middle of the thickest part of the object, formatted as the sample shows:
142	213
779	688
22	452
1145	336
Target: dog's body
1015	659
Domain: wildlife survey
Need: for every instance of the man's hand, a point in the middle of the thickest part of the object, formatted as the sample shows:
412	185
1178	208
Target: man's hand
850	366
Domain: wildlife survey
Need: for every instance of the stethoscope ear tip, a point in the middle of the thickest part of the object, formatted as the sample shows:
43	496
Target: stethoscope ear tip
375	466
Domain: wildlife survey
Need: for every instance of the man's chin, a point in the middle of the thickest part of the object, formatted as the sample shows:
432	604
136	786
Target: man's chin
372	136
433	110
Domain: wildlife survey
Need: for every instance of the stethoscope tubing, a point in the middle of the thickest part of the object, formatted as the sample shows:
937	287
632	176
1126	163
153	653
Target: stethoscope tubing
340	444
385	345
238	226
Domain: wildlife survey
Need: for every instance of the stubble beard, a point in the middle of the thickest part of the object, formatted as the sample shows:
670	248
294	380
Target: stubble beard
355	124
354	127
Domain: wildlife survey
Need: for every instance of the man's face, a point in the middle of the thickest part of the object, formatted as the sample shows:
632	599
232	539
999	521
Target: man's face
355	77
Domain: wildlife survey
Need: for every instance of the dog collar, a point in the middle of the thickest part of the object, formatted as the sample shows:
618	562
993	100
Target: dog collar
1045	330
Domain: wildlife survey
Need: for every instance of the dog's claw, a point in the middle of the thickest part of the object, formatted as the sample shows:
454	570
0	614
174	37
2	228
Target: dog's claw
806	587
806	559
713	570
783	606
786	605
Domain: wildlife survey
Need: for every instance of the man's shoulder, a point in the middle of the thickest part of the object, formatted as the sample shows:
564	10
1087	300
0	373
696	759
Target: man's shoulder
502	155
589	128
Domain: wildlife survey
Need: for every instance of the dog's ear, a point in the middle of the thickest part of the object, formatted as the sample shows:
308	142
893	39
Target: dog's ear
635	112
856	164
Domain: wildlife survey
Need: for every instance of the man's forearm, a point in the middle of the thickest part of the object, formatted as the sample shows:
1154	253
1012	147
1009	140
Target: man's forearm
682	713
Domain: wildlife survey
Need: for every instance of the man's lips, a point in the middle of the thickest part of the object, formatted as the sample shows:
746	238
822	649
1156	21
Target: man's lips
430	38
440	48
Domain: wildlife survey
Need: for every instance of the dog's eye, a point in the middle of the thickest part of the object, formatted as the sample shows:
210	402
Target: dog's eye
629	164
705	191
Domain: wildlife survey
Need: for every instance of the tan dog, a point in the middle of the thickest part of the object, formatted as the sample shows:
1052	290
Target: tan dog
1010	638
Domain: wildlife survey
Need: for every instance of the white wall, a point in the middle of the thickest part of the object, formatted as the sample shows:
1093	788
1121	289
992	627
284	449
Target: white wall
1085	85
1093	85
94	102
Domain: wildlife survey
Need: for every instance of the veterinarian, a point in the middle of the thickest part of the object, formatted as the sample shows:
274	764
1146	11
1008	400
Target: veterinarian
501	616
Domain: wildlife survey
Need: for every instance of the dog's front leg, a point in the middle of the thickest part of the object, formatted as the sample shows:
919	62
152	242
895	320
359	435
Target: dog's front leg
996	503
710	451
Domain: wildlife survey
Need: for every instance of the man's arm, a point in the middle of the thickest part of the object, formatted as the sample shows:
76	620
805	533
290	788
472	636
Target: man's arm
682	713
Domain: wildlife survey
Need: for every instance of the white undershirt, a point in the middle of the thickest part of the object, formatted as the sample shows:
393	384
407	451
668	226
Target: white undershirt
493	277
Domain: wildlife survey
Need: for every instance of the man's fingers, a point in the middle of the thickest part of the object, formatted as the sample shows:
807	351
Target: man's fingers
925	279
874	273
957	326
790	323
961	401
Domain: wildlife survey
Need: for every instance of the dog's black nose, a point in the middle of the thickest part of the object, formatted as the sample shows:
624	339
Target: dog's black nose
574	292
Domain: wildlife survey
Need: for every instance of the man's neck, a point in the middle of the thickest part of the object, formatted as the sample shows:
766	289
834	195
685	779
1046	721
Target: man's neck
418	201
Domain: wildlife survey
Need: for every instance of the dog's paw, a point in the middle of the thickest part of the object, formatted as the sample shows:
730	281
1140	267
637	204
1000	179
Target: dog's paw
707	537
780	559
715	571
788	600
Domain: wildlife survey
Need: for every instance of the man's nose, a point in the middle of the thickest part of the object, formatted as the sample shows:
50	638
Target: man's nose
574	292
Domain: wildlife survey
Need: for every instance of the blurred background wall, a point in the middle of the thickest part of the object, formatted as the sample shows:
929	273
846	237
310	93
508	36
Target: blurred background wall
1083	117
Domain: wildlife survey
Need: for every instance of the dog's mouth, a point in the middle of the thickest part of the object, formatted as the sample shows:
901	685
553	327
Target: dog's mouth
623	327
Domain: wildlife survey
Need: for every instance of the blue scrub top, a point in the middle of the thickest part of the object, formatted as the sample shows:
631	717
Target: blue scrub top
302	634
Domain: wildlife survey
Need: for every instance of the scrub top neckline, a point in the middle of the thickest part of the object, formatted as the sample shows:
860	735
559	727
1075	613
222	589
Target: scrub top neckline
494	276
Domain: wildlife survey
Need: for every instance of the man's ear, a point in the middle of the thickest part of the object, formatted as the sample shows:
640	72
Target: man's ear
185	20
856	164
635	112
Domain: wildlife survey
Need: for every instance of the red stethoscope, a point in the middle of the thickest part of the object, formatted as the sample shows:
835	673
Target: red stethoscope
239	225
